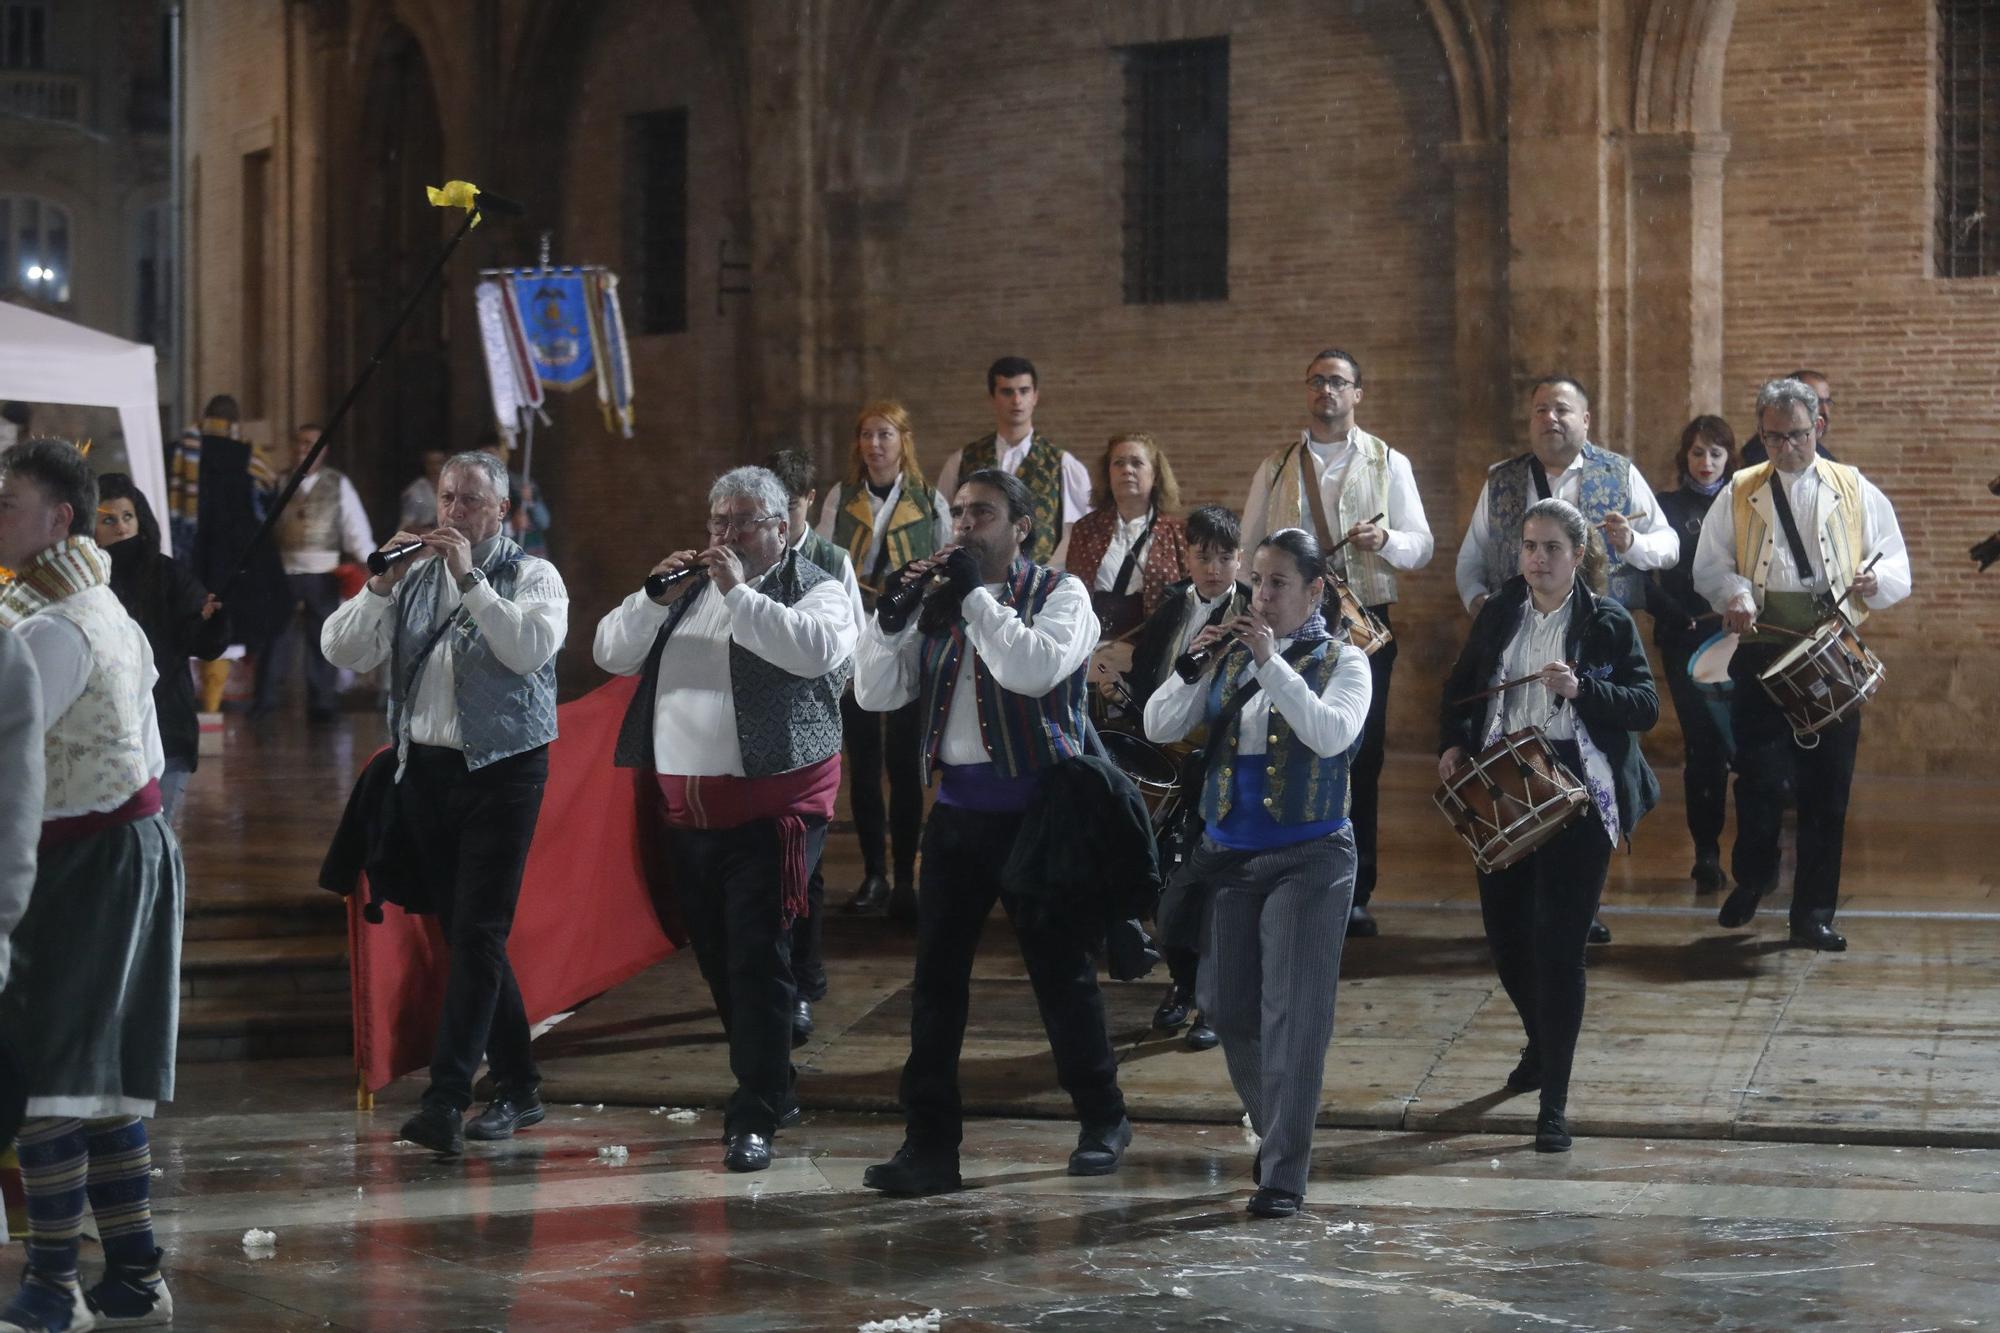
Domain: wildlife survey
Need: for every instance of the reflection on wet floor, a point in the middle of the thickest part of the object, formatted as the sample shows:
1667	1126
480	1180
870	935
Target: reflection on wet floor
1402	1231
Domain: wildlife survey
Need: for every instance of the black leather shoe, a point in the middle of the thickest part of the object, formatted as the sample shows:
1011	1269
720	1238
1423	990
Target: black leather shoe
1527	1075
872	896
911	1173
437	1127
1740	906
1173	1010
1707	872
1819	935
786	1120
903	905
1599	933
1360	924
1098	1148
1551	1132
1274	1203
504	1115
802	1022
748	1152
1200	1036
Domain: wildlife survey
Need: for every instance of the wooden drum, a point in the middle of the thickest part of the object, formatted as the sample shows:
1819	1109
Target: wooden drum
1511	798
1822	678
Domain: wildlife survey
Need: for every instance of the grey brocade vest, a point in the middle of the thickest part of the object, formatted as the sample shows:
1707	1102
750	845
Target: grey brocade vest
783	722
500	712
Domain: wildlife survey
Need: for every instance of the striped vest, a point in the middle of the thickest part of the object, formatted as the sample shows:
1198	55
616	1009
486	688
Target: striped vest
1301	787
1042	473
910	527
1606	488
1022	734
1364	493
1839	530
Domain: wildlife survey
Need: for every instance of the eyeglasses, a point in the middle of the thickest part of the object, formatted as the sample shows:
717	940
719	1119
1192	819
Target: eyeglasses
723	527
1320	383
1795	438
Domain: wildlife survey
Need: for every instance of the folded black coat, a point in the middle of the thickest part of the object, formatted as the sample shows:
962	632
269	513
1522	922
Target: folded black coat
371	838
1085	854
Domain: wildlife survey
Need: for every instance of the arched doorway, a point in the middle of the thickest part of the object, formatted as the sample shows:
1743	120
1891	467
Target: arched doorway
394	238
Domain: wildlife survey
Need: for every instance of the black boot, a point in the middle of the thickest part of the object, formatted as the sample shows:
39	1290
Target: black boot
437	1127
506	1113
913	1172
1551	1130
872	896
1173	1010
1527	1075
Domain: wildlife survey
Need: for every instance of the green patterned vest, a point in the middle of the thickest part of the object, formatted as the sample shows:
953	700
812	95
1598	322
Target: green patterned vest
1042	473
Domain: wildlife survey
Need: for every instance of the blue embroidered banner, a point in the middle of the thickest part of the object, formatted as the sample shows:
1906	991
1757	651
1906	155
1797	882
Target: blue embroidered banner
555	311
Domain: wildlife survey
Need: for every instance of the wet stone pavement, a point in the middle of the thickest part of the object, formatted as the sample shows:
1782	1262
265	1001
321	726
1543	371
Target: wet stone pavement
1402	1230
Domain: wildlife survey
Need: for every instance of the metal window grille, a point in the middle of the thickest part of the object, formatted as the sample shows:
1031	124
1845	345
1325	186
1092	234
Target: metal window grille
24	35
1968	139
656	219
1177	172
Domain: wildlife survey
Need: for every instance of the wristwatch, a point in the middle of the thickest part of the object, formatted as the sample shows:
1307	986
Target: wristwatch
468	579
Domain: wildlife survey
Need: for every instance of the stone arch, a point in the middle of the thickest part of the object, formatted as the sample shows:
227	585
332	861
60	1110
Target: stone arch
1677	66
1464	29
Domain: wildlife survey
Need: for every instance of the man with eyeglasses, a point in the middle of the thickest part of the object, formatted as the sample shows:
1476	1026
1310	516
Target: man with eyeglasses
1753	449
748	789
1800	539
1059	484
469	629
1340	483
996	659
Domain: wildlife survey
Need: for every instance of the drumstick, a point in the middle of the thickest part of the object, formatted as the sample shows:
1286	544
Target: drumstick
1874	561
1502	688
1350	537
1631	518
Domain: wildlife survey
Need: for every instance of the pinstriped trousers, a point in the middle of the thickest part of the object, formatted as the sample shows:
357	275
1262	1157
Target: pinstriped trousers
1270	972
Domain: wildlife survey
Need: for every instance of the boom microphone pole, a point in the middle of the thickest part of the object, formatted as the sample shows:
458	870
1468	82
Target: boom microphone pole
459	194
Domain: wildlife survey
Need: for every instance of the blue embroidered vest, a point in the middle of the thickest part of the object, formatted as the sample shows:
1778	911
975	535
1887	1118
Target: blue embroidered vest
1301	787
1022	733
1606	488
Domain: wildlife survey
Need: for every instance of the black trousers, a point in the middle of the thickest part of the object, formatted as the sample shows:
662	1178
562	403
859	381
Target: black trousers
963	853
732	904
1365	774
874	741
1767	761
472	830
319	595
1706	750
809	938
1537	914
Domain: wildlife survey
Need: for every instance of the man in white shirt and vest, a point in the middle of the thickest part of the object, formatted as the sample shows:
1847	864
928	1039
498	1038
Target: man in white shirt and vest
90	1009
469	628
323	521
737	715
1059	484
1363	493
996	657
1793	542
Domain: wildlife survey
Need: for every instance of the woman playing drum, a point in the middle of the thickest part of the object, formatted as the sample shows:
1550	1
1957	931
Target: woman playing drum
1593	691
1681	621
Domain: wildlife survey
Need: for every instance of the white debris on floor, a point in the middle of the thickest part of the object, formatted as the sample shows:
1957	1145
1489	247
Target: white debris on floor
260	1244
1250	1136
1184	1293
681	1115
906	1323
614	1155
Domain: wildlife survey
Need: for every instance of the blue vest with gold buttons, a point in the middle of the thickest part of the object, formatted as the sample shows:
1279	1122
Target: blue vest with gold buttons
1301	786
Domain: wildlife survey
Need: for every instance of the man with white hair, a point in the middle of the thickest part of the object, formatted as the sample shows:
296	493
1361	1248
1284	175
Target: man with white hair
747	790
470	627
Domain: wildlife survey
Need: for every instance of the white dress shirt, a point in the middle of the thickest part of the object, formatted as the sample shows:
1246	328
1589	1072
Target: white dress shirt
63	661
1195	612
1537	641
878	505
1021	658
355	537
523	633
1715	572
1327	722
1008	457
21	747
694	707
1124	532
1409	545
1655	544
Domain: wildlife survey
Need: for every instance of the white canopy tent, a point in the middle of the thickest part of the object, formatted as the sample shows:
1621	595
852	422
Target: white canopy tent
48	360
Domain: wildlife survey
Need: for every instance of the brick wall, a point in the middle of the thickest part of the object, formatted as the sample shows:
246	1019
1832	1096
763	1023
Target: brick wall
1827	226
1340	232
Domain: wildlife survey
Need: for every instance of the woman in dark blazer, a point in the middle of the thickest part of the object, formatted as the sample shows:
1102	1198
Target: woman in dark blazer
1594	694
181	619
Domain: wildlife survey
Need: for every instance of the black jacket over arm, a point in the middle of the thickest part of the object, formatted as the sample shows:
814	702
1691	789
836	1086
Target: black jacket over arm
1615	700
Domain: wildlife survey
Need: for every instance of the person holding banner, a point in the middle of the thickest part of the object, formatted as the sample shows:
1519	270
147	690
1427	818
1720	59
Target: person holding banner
470	626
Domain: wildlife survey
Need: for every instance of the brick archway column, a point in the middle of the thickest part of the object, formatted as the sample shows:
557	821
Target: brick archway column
1484	426
1676	285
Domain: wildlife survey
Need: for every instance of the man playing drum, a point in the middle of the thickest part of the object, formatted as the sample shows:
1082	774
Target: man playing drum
1799	539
